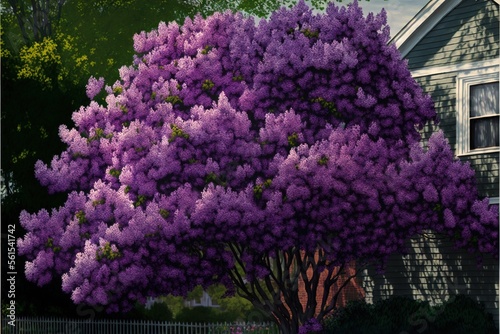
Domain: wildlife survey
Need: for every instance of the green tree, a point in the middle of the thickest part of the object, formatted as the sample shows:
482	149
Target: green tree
35	18
31	114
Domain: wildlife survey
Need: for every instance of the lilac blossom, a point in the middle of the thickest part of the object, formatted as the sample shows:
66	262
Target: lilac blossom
94	86
241	153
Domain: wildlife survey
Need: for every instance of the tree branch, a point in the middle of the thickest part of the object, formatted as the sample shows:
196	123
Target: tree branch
60	4
328	283
333	304
20	17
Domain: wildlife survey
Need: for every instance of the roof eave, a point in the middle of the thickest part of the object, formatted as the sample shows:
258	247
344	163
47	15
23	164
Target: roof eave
422	23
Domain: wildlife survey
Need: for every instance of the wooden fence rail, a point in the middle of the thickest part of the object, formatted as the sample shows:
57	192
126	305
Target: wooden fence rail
38	325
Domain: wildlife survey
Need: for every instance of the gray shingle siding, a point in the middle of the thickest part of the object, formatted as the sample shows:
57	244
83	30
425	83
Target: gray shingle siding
433	270
486	167
477	38
442	89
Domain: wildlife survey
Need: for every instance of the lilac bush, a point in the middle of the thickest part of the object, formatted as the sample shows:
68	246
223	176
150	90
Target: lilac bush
244	154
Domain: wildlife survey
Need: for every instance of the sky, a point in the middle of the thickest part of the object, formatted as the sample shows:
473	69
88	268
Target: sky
399	12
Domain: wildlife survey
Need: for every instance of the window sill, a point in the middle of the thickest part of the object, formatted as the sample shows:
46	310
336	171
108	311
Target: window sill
490	150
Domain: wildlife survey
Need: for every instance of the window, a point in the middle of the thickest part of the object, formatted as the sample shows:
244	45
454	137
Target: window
483	115
478	115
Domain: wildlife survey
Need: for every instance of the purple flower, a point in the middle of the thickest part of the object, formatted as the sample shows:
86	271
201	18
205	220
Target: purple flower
94	86
311	326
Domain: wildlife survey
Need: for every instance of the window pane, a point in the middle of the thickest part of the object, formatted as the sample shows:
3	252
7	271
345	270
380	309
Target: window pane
484	99
484	132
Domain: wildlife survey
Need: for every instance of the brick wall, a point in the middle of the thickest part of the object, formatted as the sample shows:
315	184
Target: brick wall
352	291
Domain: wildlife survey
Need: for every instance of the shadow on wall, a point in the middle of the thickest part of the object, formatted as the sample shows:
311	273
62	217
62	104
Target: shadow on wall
442	88
434	271
469	33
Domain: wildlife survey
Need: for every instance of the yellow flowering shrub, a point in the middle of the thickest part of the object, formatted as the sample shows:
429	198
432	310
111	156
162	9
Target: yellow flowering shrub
38	60
54	61
4	52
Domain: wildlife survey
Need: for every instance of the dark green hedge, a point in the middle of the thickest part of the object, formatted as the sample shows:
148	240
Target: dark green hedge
395	315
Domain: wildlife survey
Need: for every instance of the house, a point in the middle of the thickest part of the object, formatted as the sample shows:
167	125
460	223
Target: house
205	300
452	48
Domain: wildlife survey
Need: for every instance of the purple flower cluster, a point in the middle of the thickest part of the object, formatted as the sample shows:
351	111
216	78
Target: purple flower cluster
94	86
310	327
225	137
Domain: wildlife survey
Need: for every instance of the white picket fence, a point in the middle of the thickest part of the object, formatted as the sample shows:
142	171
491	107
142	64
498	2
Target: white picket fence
102	326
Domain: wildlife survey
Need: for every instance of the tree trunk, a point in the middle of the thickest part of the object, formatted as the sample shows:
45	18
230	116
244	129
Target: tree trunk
43	15
20	17
299	286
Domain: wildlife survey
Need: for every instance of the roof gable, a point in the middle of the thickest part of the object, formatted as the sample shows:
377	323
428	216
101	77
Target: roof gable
426	19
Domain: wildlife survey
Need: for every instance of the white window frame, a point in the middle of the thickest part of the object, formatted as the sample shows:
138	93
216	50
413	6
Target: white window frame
465	80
